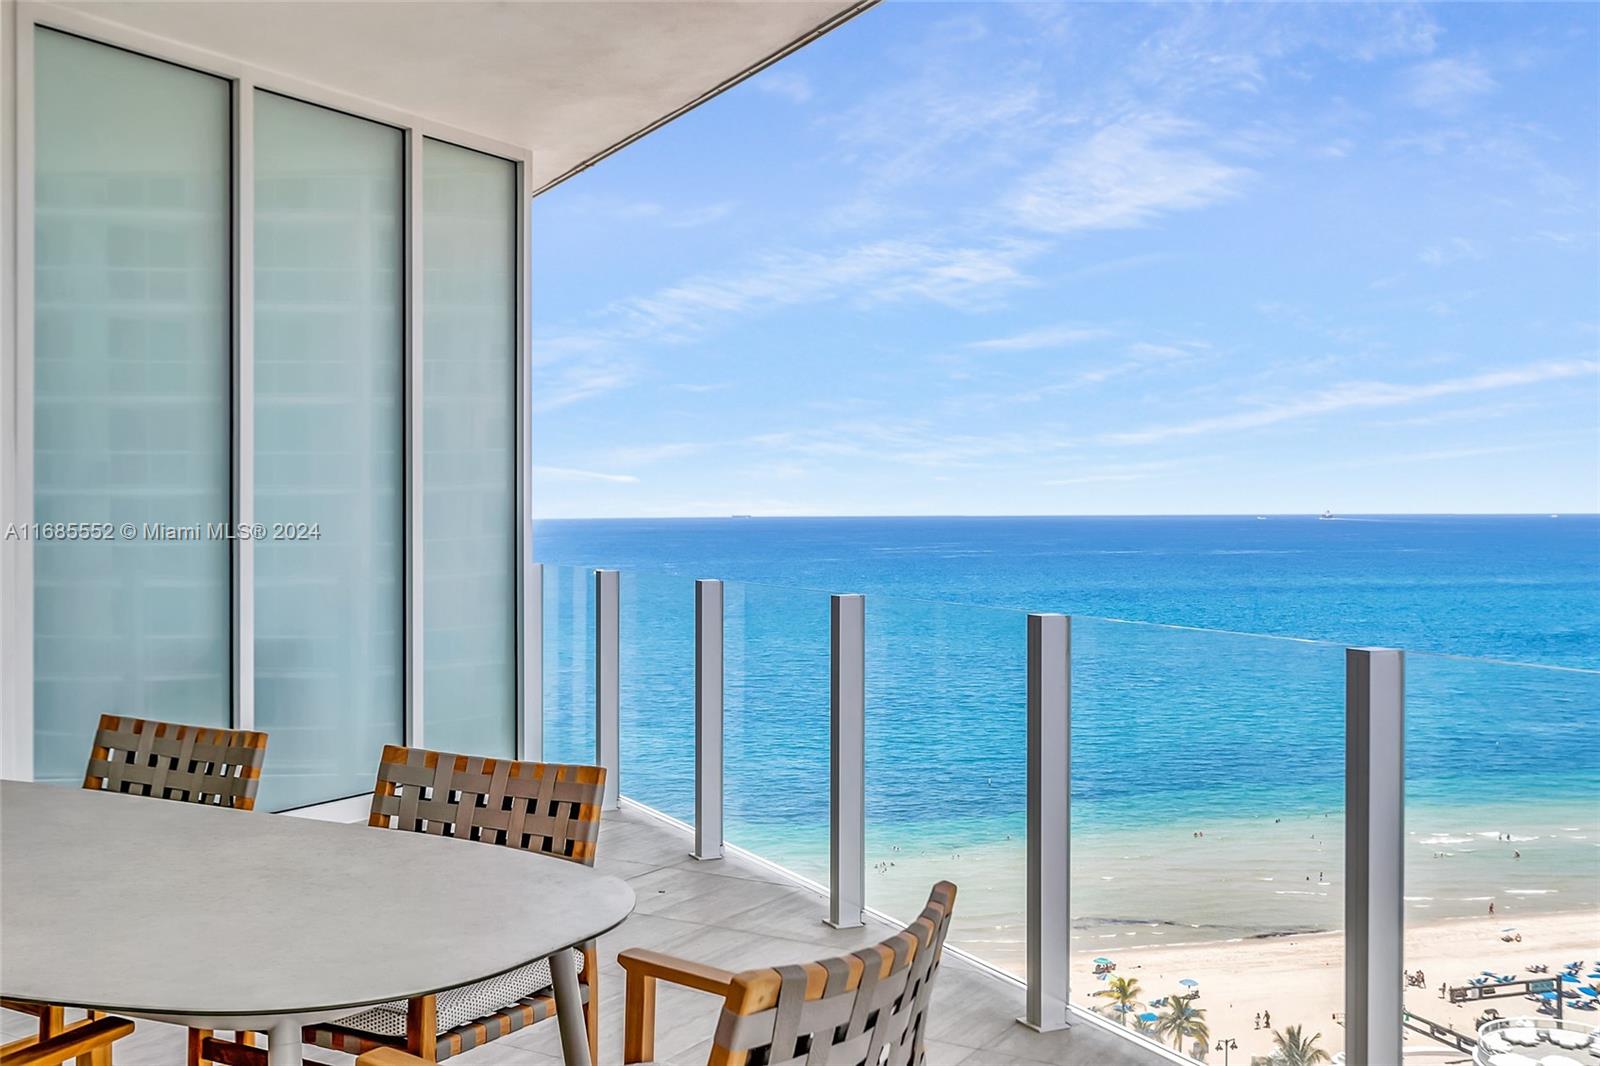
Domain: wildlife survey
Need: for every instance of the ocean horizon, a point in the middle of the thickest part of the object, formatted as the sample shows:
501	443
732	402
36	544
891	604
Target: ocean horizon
1208	696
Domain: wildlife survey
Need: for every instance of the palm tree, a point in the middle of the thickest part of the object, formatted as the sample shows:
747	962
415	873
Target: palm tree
1183	1021
1123	993
1294	1048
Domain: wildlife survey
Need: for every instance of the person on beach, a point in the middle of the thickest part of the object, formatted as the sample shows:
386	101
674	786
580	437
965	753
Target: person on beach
1266	1019
1258	1019
1491	908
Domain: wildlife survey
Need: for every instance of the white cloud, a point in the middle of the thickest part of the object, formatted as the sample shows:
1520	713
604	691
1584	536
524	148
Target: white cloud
789	84
1455	250
1122	176
1358	395
1446	84
1051	337
567	473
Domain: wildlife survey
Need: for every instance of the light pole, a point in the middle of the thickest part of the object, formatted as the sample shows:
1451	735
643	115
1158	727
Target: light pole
1225	1045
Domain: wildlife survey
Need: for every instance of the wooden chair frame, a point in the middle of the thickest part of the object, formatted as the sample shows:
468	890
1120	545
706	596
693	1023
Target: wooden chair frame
549	808
912	954
87	1042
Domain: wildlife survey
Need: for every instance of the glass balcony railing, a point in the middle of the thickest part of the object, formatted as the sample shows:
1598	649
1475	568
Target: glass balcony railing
1502	847
1209	885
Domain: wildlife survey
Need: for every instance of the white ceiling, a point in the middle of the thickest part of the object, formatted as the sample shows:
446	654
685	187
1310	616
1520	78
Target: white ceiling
567	79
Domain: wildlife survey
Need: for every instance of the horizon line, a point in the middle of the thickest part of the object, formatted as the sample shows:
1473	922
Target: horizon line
1335	517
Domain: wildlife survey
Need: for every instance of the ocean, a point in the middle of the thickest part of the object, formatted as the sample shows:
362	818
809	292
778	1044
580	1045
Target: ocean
1208	688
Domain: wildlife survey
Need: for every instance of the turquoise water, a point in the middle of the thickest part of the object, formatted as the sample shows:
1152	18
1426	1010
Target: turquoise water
1173	727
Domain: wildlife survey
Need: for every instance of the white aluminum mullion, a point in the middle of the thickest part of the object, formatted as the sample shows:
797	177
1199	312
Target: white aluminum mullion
530	596
16	397
244	436
414	562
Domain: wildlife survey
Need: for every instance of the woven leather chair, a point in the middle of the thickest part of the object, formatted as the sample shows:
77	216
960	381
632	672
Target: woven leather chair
193	764
547	808
866	1007
88	1041
187	763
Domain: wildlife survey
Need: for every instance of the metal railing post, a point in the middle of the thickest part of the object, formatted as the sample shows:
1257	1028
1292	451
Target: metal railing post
1049	819
707	719
847	867
530	722
607	683
1374	855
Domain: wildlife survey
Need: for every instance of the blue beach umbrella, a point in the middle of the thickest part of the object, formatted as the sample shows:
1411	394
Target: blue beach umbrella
1189	982
1102	961
1147	1017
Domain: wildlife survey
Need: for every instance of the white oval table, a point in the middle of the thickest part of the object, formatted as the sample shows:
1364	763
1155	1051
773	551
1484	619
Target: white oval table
225	919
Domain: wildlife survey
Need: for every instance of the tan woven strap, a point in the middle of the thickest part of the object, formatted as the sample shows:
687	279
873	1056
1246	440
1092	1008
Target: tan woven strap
551	808
194	764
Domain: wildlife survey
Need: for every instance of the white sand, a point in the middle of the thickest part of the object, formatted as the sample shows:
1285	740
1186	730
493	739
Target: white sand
1300	980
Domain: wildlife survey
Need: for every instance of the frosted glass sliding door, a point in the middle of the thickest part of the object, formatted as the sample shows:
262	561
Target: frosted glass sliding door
329	448
469	301
131	394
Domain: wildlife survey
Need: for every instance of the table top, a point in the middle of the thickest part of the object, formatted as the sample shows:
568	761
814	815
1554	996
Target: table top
150	906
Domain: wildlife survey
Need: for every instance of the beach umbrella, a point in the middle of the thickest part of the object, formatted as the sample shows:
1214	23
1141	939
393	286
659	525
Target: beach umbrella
1189	982
1102	961
1147	1017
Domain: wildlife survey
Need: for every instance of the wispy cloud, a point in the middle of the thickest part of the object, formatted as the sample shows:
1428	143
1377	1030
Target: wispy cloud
567	473
789	84
1455	250
1447	84
1360	395
1125	175
878	272
1049	337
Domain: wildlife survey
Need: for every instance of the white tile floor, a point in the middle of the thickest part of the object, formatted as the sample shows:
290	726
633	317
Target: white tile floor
735	914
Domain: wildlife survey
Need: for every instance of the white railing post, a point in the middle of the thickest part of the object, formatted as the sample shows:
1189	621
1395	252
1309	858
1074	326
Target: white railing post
1049	819
847	775
607	683
530	722
1374	855
707	719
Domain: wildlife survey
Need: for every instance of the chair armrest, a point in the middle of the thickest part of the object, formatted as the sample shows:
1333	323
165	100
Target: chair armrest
78	1039
388	1056
643	969
642	962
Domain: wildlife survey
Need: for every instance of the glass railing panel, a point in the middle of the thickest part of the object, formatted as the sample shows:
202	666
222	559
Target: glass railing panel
568	664
947	745
656	690
1502	842
775	739
1207	834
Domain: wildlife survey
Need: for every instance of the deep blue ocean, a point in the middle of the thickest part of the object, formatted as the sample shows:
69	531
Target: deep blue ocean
1194	706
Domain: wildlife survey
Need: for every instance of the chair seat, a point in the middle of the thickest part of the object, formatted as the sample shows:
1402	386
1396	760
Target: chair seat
458	1006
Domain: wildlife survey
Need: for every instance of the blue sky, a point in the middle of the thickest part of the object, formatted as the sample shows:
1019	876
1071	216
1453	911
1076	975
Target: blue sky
1093	259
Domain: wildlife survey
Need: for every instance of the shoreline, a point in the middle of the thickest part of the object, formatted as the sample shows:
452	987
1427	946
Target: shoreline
1299	980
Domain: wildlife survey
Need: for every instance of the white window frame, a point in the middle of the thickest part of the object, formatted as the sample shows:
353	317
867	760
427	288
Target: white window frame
18	24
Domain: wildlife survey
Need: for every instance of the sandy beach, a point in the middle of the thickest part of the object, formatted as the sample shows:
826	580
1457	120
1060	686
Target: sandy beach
1300	980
